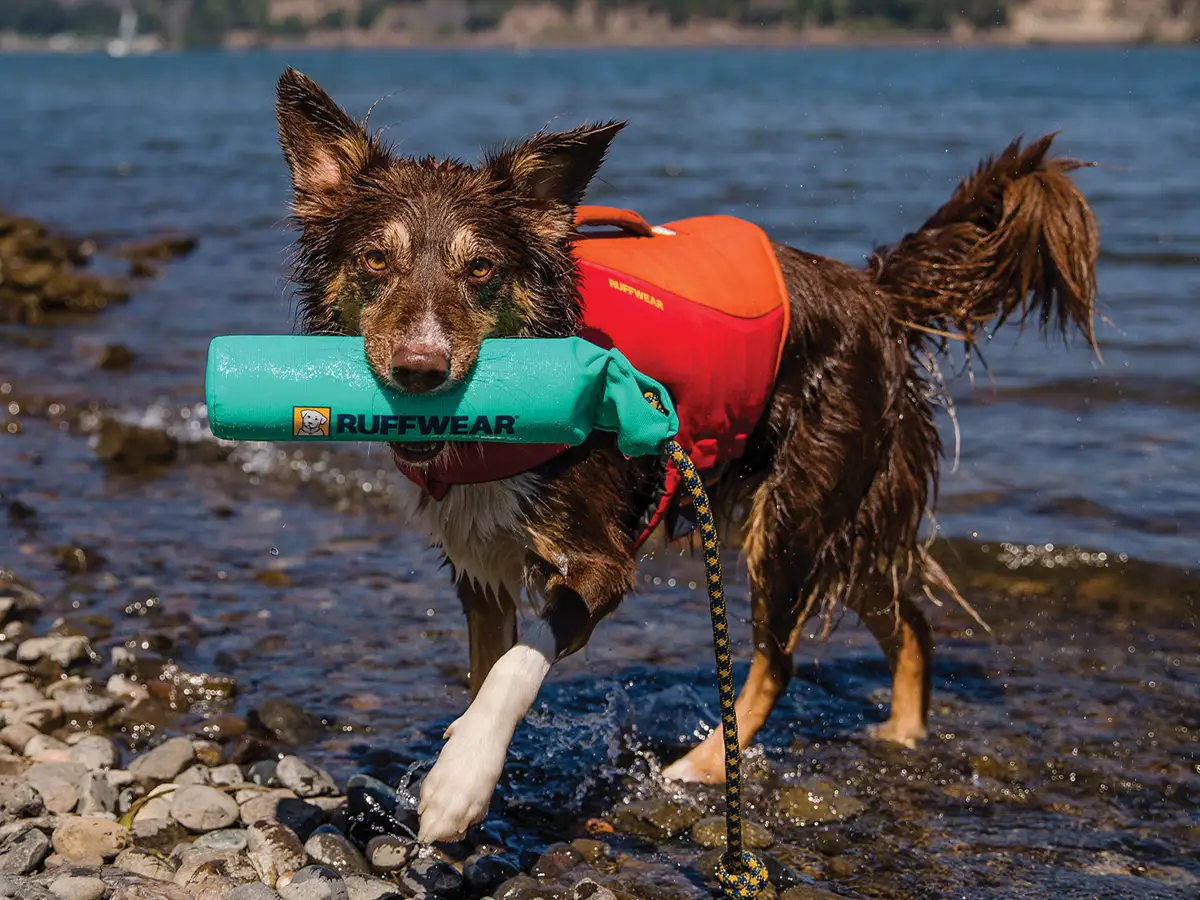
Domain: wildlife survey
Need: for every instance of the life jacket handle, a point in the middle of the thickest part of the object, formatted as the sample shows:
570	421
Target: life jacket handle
625	219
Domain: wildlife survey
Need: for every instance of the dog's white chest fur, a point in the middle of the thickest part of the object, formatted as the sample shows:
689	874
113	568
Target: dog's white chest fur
480	527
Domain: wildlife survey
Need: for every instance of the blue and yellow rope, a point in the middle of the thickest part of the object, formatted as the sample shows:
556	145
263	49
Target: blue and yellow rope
741	874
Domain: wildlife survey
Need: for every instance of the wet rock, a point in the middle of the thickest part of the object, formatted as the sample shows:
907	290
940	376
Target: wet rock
78	560
160	834
483	874
360	887
388	853
159	249
200	808
17	599
43	716
831	843
18	735
132	448
94	752
144	862
371	809
305	780
23	852
78	887
817	801
257	891
710	832
208	752
288	721
595	852
83	704
274	849
433	879
518	888
114	357
97	794
555	861
315	883
227	840
226	776
656	819
329	848
284	807
806	892
63	649
588	889
165	761
86	838
58	783
18	799
263	772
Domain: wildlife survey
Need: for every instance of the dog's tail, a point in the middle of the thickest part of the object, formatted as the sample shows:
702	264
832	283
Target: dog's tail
1015	237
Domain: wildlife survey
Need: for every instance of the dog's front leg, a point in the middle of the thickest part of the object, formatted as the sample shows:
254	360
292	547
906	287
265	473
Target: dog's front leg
456	792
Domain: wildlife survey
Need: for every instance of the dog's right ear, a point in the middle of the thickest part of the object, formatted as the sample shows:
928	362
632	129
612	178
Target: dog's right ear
324	148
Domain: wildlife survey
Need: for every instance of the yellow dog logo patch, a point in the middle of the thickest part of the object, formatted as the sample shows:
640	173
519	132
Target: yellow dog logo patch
310	421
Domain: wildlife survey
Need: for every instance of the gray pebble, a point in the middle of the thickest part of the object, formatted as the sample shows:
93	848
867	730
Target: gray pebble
143	862
315	883
18	799
78	887
64	649
94	752
193	776
192	859
19	888
23	852
484	873
226	776
165	761
263	772
305	780
588	889
433	879
18	735
96	794
200	808
7	666
815	801
58	783
42	744
387	853
328	847
362	887
157	834
226	840
209	883
257	891
82	703
284	807
274	849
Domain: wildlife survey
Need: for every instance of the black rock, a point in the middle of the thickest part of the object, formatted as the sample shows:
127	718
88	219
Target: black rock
557	859
433	880
371	810
288	721
483	874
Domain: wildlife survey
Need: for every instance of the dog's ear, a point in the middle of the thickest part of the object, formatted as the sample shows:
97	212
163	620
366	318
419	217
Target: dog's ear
554	168
324	148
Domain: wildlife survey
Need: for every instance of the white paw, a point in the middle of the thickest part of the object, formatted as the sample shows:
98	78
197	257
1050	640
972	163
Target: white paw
456	792
909	736
684	769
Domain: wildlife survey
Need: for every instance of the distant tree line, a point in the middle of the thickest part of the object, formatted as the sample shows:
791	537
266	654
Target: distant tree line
206	21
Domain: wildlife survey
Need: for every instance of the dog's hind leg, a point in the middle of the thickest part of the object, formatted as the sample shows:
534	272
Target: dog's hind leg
775	615
491	626
906	639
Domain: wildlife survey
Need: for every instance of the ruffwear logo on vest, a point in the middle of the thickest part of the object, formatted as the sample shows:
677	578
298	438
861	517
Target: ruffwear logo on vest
310	421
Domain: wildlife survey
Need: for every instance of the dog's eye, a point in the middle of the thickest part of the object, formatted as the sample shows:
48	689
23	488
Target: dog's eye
374	261
481	268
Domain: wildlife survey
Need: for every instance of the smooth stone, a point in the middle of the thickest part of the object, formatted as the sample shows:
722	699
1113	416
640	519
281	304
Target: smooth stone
144	862
44	748
517	888
710	832
362	887
387	853
433	879
263	773
226	840
81	703
43	716
328	847
587	889
274	849
165	761
284	807
94	752
304	779
258	891
62	649
817	801
96	794
315	883
658	819
23	852
556	860
806	892
157	803
78	887
58	783
18	735
192	859
200	808
289	722
226	776
19	799
484	873
80	838
157	834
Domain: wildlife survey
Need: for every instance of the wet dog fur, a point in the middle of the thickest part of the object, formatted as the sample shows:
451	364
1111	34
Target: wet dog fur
426	258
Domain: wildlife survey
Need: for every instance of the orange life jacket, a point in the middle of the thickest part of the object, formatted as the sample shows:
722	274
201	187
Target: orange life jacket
699	305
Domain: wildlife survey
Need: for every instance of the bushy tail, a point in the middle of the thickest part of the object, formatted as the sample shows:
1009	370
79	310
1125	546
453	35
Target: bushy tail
1015	237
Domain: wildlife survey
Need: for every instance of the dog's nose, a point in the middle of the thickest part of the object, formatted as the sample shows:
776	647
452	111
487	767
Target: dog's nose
420	368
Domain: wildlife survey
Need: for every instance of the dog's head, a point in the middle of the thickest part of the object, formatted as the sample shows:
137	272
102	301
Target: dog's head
311	420
425	258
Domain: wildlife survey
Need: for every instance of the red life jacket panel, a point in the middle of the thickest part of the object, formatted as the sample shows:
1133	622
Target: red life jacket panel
699	305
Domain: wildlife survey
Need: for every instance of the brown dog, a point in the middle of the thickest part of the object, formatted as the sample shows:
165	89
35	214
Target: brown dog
425	259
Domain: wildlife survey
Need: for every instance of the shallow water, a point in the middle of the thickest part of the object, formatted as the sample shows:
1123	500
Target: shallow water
1064	761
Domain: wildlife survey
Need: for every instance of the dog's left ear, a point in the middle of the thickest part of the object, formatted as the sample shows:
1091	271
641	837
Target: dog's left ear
554	168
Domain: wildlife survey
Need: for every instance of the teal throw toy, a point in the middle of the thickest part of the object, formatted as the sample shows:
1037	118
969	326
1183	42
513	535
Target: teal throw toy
527	391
